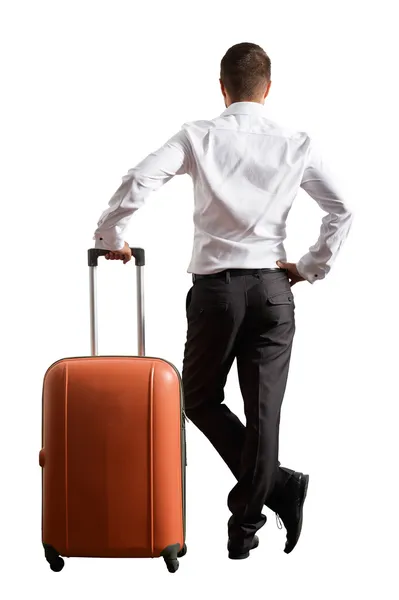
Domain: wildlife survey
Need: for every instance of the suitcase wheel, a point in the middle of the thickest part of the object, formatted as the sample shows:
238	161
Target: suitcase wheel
183	551
57	565
170	554
172	565
53	558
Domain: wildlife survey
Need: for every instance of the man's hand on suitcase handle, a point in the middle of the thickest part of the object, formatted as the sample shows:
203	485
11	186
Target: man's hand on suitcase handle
293	273
125	254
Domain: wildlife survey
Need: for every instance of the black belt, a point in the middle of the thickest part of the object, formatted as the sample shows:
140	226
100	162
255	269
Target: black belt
235	273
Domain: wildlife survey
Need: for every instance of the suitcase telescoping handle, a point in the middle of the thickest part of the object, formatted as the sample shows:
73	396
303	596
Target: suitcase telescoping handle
139	257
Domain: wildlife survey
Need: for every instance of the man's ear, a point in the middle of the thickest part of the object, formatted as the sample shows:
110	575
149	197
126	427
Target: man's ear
222	88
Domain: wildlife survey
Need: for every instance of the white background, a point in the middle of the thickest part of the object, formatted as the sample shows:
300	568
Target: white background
88	90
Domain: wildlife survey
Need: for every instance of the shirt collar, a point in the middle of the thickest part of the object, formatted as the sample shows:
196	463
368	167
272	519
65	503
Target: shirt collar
244	108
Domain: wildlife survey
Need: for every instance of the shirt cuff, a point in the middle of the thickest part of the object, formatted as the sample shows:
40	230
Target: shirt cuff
309	270
108	241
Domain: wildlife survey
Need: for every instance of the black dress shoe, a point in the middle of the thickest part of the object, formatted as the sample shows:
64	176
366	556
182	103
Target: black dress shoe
239	553
291	510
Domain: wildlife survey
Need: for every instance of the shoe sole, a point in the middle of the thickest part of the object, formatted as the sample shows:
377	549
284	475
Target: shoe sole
304	491
245	554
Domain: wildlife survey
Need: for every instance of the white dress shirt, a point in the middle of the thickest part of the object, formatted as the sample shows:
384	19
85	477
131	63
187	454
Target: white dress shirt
246	173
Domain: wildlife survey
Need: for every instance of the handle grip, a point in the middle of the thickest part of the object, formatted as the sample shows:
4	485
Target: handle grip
94	254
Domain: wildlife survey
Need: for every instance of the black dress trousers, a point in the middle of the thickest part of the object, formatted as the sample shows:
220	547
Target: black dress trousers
246	315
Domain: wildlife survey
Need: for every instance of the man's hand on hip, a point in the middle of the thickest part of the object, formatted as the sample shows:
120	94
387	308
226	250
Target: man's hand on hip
125	254
293	273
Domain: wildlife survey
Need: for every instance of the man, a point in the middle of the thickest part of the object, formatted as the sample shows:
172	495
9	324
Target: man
246	172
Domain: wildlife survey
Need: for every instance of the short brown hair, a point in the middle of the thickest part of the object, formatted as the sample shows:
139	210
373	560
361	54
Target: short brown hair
245	69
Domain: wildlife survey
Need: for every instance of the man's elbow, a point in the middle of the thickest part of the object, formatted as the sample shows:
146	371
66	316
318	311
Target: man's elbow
350	215
345	214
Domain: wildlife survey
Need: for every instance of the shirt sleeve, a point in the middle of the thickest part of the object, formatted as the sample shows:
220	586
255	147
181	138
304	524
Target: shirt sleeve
318	183
173	158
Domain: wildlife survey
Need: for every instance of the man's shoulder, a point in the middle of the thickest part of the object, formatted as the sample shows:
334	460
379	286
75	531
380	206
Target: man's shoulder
274	128
199	124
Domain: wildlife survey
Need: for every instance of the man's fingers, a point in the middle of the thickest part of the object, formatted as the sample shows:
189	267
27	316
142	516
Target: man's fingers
290	267
119	255
292	278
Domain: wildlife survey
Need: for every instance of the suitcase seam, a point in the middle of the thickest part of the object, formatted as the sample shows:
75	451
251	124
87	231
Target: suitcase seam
152	457
66	374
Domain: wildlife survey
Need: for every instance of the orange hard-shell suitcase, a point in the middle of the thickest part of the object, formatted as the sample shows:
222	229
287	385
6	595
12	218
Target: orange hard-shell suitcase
113	452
